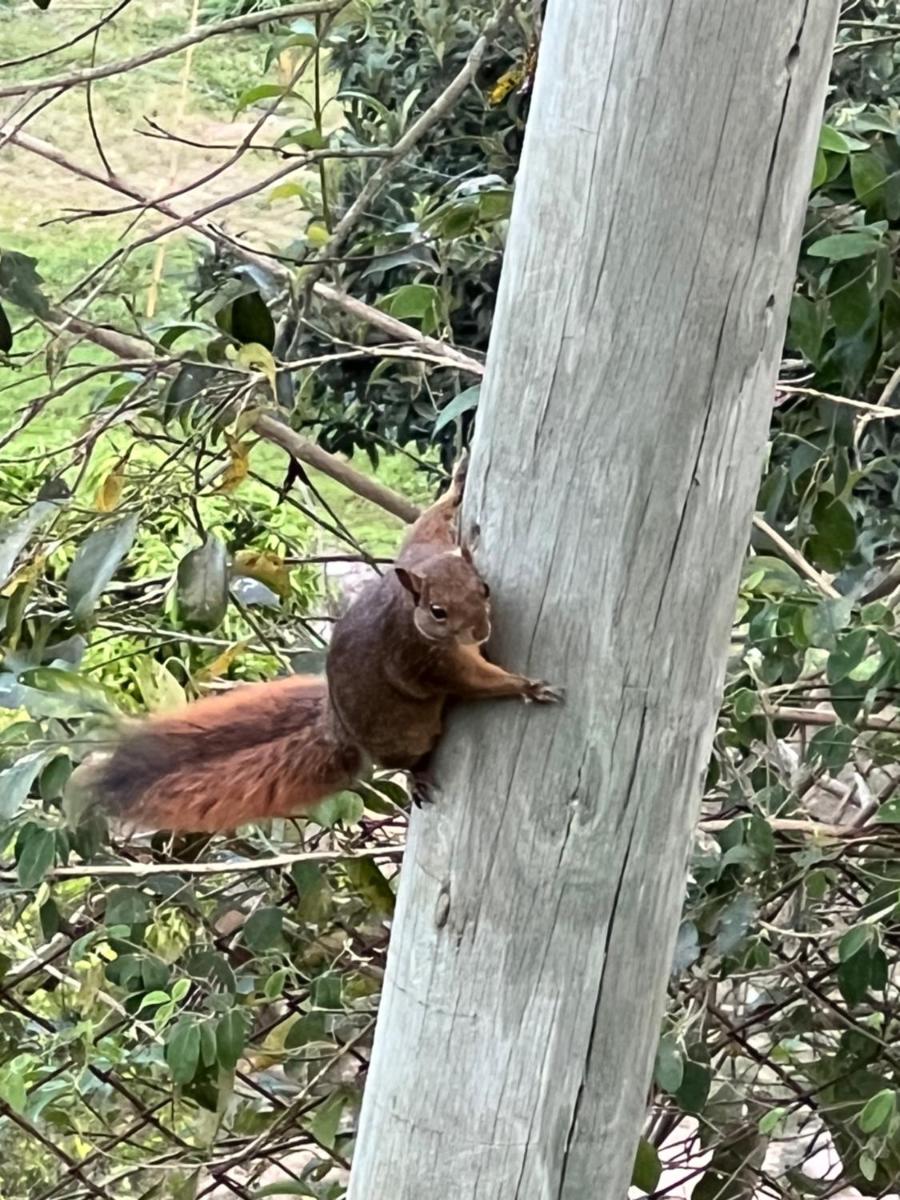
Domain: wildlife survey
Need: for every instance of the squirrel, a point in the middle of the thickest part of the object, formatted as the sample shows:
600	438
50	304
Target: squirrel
410	642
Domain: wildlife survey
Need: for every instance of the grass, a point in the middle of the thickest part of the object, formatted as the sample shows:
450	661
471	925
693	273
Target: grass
38	198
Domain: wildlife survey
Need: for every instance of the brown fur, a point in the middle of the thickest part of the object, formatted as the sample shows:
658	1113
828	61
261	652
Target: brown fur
262	750
409	643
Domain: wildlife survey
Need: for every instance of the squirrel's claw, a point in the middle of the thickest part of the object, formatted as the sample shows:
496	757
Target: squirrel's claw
422	791
541	692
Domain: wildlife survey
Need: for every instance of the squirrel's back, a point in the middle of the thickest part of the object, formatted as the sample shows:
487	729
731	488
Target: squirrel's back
261	750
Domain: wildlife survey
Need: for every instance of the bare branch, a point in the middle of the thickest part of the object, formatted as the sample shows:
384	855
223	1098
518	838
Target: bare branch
204	33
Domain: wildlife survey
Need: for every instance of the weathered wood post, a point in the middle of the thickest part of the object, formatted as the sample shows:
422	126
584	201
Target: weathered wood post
645	290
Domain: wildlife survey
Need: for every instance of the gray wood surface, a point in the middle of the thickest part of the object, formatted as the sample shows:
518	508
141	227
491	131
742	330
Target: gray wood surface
644	296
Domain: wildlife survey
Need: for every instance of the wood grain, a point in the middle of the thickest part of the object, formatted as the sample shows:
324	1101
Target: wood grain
643	303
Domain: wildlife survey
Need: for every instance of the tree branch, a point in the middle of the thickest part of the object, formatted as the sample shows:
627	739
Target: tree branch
249	21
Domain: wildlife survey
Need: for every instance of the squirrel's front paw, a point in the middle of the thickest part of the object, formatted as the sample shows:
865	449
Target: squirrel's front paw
542	692
422	790
460	471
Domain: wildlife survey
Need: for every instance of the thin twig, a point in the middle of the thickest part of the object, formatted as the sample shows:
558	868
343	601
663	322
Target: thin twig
202	34
796	559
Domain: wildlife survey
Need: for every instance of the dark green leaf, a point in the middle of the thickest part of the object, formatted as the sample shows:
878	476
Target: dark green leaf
20	283
807	327
35	853
306	1029
694	1090
247	319
848	653
669	1069
126	906
202	585
183	1049
263	930
823	622
647	1167
854	976
96	562
6	333
853	941
869	176
231	1035
460	404
831	747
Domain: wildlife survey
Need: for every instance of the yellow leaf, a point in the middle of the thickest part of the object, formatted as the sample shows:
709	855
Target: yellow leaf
222	662
507	83
29	572
255	357
110	490
270	569
238	465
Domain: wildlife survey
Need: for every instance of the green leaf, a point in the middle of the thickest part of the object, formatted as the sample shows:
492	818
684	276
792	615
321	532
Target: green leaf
669	1068
694	1090
126	906
6	333
263	929
734	922
854	976
853	941
306	1029
878	1110
324	1125
35	853
869	177
262	91
82	695
411	300
309	139
160	690
806	327
231	1036
247	319
838	247
96	562
831	139
463	403
367	881
888	814
202	585
16	782
20	283
15	535
183	1049
823	622
848	653
772	1119
831	747
345	808
647	1167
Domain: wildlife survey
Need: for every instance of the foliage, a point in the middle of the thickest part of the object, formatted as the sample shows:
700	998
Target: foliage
152	550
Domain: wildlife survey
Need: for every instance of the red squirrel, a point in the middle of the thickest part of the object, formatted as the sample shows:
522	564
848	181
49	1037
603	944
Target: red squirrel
409	642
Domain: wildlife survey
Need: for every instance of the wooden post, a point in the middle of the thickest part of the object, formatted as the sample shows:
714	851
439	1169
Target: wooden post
651	254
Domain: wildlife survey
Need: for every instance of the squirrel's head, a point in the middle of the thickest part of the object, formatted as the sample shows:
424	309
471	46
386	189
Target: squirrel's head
452	602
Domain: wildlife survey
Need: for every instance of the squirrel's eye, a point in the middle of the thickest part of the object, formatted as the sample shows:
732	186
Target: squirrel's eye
439	614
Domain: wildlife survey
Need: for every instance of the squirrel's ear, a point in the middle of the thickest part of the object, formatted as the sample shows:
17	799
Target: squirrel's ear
410	580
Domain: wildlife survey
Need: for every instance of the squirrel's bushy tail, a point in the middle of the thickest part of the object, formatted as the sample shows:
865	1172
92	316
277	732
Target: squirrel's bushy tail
262	750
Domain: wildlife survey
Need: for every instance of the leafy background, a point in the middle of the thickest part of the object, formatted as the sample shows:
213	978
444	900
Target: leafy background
187	1017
